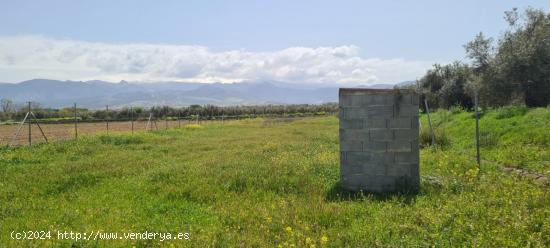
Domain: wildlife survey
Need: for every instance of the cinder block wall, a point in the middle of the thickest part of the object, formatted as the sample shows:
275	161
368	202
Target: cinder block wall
379	140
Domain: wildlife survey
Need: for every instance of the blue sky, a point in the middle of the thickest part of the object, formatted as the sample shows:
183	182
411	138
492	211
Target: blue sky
246	40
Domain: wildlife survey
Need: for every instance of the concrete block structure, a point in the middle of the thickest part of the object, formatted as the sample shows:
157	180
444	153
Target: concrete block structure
379	140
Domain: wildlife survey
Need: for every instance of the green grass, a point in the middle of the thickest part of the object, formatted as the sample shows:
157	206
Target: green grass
514	136
264	183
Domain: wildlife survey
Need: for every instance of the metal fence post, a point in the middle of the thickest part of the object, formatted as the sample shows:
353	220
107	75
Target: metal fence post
75	123
107	117
132	118
430	124
477	130
30	128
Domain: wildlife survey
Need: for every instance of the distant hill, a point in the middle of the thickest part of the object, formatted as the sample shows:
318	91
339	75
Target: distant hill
405	84
377	86
97	94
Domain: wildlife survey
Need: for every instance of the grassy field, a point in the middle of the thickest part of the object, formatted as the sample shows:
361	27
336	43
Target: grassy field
65	131
275	183
514	136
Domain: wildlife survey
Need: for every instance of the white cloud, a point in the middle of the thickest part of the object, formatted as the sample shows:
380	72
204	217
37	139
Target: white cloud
26	57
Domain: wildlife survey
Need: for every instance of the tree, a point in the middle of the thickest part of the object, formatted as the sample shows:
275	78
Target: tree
523	57
479	50
445	86
515	70
7	107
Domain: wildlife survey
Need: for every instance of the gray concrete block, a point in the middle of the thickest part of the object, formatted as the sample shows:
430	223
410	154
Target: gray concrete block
415	123
414	146
415	171
354	134
375	146
351	145
405	157
348	169
362	157
399	169
407	184
415	176
353	181
379	140
380	111
351	123
379	99
380	184
355	112
415	99
344	101
341	101
381	135
374	169
357	161
406	110
353	101
408	98
399	146
376	123
403	99
400	122
383	158
405	134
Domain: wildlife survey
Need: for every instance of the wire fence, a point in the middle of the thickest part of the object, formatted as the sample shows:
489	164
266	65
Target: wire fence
31	130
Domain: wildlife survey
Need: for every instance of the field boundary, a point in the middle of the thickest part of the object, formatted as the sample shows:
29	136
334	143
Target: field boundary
522	172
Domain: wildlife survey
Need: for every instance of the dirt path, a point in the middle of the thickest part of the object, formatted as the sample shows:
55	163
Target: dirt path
537	177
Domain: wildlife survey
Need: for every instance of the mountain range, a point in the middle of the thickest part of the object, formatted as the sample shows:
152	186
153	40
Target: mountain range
97	94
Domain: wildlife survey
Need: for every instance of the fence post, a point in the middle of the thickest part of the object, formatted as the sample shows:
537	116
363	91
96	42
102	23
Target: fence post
430	124
477	130
30	128
179	119
107	117
75	123
132	118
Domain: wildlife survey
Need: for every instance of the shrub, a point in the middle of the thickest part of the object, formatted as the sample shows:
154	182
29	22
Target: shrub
425	138
510	111
456	109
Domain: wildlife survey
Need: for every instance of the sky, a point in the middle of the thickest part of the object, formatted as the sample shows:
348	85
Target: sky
345	42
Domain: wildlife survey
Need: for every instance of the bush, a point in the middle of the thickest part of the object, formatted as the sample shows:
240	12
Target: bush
441	139
456	109
510	111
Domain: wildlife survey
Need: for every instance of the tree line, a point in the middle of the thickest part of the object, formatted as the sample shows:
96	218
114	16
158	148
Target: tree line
12	112
513	70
